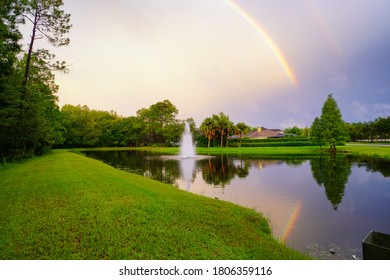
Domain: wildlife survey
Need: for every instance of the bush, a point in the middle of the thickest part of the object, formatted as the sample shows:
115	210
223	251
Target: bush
272	142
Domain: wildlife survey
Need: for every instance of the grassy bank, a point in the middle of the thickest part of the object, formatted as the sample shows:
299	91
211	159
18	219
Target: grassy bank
367	150
66	206
254	151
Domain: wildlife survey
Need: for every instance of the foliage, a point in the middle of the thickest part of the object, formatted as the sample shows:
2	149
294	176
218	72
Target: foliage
160	123
330	127
40	125
92	128
224	126
156	125
294	130
50	22
30	124
273	142
378	130
241	129
9	93
317	132
208	128
29	115
220	127
9	37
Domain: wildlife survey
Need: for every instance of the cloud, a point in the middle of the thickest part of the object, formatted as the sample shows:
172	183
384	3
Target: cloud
382	109
360	111
370	112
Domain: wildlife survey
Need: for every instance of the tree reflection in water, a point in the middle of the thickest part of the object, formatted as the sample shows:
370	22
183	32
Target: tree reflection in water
219	171
332	174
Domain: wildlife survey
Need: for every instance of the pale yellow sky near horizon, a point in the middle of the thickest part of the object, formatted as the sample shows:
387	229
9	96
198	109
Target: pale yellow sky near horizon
196	64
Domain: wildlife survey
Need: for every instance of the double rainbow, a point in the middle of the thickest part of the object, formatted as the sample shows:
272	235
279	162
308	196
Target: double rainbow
264	35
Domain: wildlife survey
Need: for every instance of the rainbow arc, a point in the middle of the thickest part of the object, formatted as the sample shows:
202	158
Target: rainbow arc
264	35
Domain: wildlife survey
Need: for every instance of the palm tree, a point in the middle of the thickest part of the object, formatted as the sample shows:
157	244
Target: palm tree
223	125
241	128
208	129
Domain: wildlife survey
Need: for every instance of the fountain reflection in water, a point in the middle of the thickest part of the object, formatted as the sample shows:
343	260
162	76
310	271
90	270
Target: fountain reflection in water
187	167
187	157
187	154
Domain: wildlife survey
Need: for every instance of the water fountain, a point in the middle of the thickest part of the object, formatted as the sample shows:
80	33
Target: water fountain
187	157
187	148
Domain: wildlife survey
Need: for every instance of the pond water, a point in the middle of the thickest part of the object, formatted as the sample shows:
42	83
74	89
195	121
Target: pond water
314	205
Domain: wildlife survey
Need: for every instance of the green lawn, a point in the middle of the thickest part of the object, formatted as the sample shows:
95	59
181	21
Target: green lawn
304	151
368	150
66	206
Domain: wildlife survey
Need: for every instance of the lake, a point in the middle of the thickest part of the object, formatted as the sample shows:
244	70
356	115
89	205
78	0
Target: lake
314	205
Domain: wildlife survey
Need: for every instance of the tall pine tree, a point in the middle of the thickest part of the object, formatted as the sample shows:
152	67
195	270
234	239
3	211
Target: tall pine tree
29	115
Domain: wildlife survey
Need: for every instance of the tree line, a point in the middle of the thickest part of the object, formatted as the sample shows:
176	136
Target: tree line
30	121
377	130
156	125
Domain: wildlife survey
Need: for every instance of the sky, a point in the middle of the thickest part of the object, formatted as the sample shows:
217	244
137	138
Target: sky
264	63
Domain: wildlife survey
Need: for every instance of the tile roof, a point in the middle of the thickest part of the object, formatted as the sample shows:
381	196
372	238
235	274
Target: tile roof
264	133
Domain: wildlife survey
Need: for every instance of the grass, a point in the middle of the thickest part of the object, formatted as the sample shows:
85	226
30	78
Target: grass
66	206
255	151
305	151
368	150
279	152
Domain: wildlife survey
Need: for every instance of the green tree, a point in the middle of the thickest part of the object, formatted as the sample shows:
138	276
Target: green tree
356	131
46	113
330	128
10	115
9	77
294	130
382	128
29	114
89	128
38	119
163	115
9	38
241	129
316	132
223	125
48	21
157	122
208	128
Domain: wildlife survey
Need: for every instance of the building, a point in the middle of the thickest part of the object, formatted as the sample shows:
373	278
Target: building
261	133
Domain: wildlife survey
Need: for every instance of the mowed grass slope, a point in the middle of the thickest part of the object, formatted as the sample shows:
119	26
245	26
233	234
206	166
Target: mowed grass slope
66	206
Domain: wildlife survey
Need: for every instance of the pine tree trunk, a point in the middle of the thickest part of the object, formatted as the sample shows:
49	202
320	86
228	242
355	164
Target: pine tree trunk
29	54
